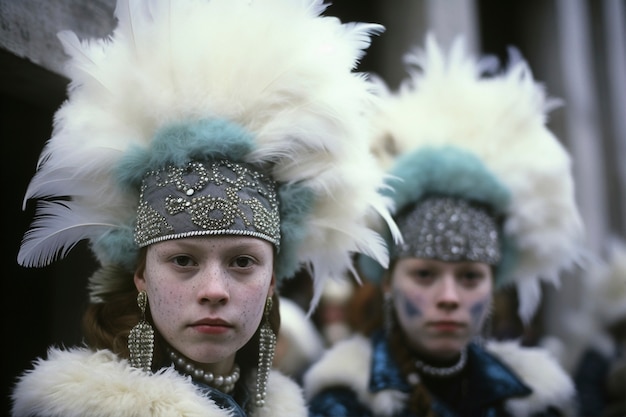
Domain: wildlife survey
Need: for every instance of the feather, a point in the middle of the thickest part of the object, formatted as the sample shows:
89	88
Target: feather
57	228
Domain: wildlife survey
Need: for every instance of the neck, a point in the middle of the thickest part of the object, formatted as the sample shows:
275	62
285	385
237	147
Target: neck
224	383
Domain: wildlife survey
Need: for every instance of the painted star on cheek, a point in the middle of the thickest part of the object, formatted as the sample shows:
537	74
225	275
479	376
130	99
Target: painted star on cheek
410	307
477	311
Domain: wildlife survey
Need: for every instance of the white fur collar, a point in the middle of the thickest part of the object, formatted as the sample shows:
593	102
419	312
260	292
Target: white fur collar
348	363
80	382
541	372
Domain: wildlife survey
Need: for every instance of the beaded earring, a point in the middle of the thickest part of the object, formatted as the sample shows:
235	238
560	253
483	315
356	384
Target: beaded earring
487	328
388	313
141	338
267	346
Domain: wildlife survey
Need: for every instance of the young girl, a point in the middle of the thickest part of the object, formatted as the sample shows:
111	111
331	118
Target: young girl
484	198
208	150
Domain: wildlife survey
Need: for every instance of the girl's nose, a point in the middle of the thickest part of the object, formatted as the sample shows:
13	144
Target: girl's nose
213	285
448	295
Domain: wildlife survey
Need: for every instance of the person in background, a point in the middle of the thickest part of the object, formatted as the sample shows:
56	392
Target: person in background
484	199
299	342
207	151
332	315
602	325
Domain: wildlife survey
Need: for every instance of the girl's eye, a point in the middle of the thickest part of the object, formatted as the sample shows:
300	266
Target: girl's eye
243	262
471	277
182	260
421	274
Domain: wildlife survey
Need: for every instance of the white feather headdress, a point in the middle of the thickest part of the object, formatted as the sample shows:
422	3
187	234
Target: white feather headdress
607	285
495	127
278	69
603	306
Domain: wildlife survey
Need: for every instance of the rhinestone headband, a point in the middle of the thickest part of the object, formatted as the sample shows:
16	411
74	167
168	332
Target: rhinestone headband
207	198
450	230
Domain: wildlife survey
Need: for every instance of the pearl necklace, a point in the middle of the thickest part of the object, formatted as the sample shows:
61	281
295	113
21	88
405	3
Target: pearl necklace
223	383
442	372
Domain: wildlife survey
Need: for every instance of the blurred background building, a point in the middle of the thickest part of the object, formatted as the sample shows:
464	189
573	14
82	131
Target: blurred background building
577	48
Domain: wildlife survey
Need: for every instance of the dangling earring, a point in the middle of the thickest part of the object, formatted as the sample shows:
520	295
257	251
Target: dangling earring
267	346
141	338
388	313
487	328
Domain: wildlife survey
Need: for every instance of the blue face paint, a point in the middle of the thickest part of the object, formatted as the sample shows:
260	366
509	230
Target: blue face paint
410	309
477	311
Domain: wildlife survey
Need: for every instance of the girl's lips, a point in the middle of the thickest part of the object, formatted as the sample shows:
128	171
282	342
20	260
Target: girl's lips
211	322
445	325
209	329
211	326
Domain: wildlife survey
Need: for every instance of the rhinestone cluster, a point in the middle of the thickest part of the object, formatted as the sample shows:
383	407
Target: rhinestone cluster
207	198
450	230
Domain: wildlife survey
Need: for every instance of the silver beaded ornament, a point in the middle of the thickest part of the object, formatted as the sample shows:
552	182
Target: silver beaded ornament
267	347
141	338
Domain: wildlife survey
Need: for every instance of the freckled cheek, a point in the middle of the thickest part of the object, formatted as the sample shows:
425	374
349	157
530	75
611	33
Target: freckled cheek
252	310
169	303
166	302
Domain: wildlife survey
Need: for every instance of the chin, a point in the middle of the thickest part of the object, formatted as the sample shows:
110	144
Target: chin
446	348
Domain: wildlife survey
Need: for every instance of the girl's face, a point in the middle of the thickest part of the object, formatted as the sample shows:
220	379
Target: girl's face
440	305
207	294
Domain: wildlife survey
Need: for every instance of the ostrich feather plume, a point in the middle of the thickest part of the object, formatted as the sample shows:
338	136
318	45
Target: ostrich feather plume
465	126
606	286
277	70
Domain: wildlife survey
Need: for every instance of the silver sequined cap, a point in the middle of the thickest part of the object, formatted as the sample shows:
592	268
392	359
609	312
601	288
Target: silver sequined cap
450	230
207	198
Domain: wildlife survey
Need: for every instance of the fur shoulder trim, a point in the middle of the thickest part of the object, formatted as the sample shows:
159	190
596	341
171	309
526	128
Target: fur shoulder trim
284	397
304	342
538	369
353	354
80	382
348	364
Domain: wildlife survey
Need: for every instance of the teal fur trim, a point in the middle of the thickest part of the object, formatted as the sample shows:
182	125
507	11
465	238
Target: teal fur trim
181	142
119	246
510	256
296	203
446	171
449	171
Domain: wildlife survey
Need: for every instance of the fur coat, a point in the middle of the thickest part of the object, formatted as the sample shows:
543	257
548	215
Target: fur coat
83	382
521	381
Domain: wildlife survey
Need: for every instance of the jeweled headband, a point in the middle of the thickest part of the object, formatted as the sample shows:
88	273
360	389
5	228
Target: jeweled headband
207	198
449	229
